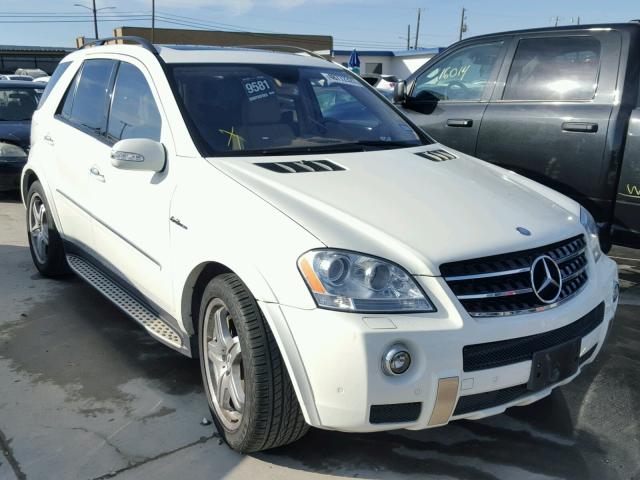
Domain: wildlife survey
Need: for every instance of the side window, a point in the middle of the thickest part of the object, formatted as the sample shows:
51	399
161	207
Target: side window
134	113
60	69
557	68
461	76
87	107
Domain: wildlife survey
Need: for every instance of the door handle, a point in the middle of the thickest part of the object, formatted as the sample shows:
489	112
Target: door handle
459	122
95	172
47	138
584	127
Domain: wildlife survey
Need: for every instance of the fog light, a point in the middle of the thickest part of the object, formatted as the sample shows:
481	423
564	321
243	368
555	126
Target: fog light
616	291
396	361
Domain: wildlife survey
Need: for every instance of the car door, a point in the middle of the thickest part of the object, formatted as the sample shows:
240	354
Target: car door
76	138
131	227
549	118
447	98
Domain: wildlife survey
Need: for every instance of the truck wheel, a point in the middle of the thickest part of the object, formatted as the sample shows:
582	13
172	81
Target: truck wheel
45	243
250	395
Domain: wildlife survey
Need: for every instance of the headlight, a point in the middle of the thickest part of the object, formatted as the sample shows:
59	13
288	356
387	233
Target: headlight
10	150
352	282
593	239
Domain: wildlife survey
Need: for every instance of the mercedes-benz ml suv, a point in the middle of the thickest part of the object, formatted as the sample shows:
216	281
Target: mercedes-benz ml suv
329	264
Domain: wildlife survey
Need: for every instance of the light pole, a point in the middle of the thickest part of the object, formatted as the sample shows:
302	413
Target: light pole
95	15
153	20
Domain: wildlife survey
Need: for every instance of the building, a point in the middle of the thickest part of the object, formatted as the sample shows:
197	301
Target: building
177	36
399	63
13	57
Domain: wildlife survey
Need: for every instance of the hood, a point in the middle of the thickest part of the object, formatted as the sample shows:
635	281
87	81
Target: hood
417	212
15	132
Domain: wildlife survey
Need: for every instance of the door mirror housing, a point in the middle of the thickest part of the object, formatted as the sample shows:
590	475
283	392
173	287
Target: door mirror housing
400	92
138	154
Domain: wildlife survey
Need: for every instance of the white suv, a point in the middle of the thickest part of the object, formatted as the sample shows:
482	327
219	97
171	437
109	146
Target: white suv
328	262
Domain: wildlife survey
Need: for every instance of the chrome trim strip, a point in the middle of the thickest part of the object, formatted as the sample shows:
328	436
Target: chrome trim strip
574	274
129	242
487	275
508	293
530	310
571	256
510	272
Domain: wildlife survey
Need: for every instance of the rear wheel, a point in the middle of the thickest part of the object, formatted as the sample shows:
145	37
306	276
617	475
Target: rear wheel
46	247
249	392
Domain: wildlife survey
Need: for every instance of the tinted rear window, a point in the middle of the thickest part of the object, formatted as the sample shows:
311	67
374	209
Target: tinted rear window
87	107
558	68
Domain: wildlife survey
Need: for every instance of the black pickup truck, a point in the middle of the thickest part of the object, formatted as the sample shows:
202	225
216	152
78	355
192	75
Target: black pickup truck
559	105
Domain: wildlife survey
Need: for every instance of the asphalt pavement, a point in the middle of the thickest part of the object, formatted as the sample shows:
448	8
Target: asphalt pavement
86	394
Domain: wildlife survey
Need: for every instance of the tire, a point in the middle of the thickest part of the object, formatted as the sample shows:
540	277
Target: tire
45	244
264	412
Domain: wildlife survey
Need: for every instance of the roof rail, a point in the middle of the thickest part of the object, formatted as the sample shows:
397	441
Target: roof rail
286	48
143	42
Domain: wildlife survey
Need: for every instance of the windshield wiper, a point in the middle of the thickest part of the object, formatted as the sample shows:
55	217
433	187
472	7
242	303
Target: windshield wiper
311	149
386	144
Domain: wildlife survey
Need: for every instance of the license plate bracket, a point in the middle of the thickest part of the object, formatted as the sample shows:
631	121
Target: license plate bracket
554	364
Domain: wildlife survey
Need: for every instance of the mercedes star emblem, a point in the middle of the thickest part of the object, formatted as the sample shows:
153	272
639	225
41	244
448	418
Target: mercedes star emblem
546	279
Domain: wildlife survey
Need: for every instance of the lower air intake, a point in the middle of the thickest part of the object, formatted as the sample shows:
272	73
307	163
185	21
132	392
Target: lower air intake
395	413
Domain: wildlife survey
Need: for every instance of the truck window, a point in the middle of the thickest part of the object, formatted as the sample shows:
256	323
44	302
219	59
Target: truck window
461	76
554	68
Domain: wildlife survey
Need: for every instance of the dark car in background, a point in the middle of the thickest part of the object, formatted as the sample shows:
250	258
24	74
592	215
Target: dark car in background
18	101
559	105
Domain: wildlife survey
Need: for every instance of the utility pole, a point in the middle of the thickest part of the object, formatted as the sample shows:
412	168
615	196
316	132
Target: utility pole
95	11
415	46
463	25
95	19
153	20
409	37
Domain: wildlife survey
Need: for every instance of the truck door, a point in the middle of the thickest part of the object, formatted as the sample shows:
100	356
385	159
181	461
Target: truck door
626	226
448	97
549	115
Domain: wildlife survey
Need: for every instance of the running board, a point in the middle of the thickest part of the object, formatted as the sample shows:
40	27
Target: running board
149	320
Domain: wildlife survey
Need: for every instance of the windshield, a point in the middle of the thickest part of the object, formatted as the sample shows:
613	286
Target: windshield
18	104
284	109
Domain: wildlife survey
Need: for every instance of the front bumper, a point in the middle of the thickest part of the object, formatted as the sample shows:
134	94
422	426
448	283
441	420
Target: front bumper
335	358
10	172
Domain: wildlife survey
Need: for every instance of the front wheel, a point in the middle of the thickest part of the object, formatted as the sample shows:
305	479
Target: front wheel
250	395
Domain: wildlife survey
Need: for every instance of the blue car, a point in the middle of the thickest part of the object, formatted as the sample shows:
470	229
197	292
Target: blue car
18	101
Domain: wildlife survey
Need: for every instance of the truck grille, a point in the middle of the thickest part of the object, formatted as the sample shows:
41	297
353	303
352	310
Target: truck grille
501	285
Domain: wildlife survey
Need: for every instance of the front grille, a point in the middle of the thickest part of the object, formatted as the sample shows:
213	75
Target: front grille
514	350
501	285
395	412
481	401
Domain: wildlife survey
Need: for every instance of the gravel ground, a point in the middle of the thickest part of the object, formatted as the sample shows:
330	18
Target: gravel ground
86	394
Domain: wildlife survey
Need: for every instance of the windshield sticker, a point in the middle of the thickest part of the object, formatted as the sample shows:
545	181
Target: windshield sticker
236	142
257	88
454	73
341	78
633	190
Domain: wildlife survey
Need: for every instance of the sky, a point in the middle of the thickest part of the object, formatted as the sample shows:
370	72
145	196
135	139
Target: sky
361	24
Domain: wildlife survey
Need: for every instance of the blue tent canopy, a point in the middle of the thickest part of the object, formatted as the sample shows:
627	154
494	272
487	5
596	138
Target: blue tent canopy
354	60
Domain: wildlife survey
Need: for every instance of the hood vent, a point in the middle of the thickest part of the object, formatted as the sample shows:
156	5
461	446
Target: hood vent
303	166
437	155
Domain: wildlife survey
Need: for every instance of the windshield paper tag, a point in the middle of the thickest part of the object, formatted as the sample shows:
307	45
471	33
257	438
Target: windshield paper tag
257	88
341	78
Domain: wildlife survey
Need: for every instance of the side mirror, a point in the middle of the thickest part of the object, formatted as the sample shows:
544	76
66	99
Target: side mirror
138	154
400	92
